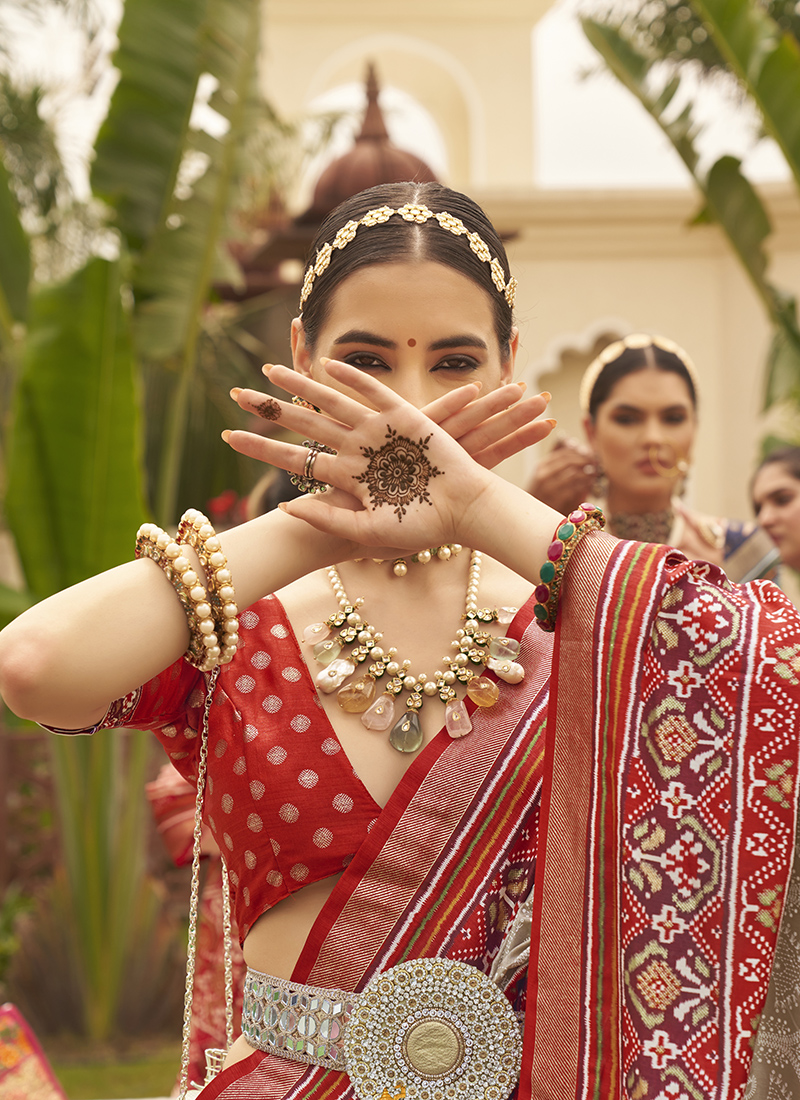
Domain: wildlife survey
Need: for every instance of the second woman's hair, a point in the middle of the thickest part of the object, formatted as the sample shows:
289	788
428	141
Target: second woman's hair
633	353
397	240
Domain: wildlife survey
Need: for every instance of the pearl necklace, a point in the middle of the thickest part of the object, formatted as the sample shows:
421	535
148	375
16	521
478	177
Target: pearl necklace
472	646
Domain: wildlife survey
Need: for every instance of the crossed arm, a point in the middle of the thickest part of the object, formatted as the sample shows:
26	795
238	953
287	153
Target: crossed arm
402	479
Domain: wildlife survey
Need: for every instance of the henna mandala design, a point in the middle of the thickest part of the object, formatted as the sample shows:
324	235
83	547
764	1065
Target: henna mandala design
398	473
269	409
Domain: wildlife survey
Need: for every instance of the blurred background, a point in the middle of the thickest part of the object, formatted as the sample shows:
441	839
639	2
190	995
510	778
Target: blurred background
163	169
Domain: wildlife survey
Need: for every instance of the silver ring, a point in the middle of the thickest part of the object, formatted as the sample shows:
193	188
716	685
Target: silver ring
311	458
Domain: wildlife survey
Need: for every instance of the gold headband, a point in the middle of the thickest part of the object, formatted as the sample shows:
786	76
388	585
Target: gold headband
613	351
411	212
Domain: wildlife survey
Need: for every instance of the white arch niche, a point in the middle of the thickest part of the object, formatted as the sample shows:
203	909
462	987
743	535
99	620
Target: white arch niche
442	88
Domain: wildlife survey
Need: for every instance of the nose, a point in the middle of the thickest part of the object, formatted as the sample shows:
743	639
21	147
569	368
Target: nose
767	516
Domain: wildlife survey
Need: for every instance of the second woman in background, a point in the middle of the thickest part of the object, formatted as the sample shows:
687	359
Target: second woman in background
639	400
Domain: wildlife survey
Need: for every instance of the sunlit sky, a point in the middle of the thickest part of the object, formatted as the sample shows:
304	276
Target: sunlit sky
588	132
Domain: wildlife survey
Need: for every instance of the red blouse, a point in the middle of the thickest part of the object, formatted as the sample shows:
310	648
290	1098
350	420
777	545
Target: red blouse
282	799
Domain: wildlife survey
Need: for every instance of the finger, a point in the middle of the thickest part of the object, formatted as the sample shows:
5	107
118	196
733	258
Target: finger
385	399
463	420
336	405
526	436
353	526
294	417
504	423
287	456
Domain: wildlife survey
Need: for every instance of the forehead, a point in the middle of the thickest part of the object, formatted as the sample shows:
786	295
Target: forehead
773	478
650	387
420	296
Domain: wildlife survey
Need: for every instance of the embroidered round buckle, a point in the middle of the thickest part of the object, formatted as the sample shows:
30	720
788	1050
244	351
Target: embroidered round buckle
428	1029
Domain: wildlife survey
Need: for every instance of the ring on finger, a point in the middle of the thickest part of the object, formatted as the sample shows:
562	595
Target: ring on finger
306	482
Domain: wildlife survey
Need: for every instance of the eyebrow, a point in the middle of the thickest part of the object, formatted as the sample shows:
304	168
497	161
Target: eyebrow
361	336
637	408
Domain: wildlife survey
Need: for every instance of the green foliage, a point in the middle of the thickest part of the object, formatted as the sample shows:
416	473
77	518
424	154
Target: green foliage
15	262
81	353
171	199
74	480
762	54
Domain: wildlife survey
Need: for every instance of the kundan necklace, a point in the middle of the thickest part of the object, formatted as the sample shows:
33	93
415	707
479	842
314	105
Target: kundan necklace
472	646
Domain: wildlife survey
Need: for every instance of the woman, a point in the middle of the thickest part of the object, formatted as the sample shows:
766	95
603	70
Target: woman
556	818
639	400
776	502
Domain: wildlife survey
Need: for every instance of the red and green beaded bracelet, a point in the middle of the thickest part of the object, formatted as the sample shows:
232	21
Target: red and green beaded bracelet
587	517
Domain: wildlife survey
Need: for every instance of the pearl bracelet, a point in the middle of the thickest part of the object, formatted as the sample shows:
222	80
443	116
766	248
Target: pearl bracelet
196	530
570	531
153	542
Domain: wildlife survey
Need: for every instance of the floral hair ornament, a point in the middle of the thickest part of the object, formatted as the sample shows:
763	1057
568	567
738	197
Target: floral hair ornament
410	212
613	351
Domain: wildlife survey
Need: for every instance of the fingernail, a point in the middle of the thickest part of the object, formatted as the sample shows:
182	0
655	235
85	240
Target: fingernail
235	392
226	435
547	396
324	360
549	420
282	506
266	368
523	386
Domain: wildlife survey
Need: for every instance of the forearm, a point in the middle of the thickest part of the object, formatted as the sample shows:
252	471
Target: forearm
511	526
63	661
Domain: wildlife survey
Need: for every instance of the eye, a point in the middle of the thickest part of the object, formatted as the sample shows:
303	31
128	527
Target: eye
365	360
676	416
625	418
463	363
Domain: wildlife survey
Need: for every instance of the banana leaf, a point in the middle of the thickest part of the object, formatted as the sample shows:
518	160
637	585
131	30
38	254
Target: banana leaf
730	200
767	61
15	262
74	484
140	144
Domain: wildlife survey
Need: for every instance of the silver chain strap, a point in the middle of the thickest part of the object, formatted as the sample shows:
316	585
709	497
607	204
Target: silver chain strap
194	898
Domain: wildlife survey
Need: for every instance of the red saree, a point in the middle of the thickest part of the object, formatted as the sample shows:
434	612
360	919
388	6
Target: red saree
667	828
656	806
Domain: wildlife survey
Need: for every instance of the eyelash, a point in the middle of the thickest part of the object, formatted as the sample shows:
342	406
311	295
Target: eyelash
625	419
365	360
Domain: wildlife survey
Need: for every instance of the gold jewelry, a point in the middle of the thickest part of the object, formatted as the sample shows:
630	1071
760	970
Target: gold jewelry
196	530
301	401
153	542
410	212
443	553
613	351
473	645
679	467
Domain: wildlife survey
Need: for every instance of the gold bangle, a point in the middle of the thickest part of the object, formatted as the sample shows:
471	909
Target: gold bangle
154	543
196	530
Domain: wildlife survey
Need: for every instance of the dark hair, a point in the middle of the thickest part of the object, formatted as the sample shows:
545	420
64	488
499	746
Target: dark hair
632	359
400	240
787	456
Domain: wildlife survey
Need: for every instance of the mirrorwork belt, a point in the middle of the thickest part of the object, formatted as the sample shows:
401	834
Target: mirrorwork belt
423	1026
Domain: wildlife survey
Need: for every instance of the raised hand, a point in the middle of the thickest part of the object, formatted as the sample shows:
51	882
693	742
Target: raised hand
402	480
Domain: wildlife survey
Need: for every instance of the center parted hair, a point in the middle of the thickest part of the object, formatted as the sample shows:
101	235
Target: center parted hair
400	240
633	353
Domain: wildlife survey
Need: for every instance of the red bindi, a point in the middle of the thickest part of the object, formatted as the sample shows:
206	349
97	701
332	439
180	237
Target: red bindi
412	343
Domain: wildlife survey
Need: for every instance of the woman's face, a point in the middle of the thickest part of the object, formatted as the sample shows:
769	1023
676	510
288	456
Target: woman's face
421	328
776	500
642	435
